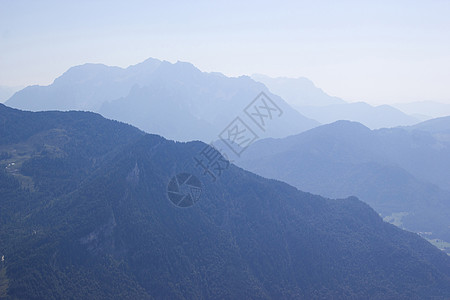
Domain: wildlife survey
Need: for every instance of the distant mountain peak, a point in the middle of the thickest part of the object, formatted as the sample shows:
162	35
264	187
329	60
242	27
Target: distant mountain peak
149	63
84	72
150	60
187	66
348	124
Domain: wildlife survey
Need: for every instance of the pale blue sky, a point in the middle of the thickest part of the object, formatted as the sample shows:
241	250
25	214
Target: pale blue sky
375	51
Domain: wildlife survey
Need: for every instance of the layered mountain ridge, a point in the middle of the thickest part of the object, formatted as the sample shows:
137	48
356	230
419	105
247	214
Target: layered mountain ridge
401	172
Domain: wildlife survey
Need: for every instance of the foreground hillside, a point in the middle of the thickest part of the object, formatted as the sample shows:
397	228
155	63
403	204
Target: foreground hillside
85	214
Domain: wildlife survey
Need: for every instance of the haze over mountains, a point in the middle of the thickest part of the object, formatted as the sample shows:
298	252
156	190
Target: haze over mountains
314	103
298	91
175	100
141	159
401	172
425	109
6	92
85	215
85	210
154	93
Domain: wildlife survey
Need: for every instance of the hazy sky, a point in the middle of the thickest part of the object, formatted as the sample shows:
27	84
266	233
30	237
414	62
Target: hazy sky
375	51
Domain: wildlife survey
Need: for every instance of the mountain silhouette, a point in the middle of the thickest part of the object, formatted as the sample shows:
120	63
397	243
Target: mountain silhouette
313	102
176	100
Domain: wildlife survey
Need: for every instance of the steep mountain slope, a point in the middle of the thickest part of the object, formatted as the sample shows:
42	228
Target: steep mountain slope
391	169
314	103
158	96
85	215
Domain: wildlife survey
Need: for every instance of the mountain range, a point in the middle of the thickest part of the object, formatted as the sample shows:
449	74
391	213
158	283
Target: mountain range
153	94
85	214
177	100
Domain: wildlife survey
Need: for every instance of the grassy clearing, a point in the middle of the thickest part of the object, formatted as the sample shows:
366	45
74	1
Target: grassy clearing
396	218
18	154
442	245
